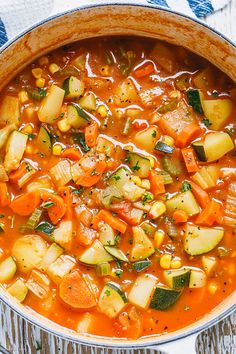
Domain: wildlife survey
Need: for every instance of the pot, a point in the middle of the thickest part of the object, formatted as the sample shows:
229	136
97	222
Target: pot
120	19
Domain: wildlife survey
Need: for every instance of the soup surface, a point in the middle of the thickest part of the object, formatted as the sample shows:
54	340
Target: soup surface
118	187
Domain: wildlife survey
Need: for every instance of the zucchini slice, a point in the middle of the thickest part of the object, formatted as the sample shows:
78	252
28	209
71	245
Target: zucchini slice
121	179
15	149
142	265
106	234
163	147
73	87
109	195
63	234
7	269
200	151
209	264
88	101
51	255
116	253
197	279
184	201
177	279
62	266
142	290
18	289
199	240
50	106
217	145
163	298
194	100
217	112
76	116
44	141
142	246
112	300
39	284
95	254
139	164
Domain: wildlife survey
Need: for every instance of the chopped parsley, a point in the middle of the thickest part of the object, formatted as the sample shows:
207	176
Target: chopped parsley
146	198
48	205
136	167
154	134
116	178
186	186
107	292
206	122
78	191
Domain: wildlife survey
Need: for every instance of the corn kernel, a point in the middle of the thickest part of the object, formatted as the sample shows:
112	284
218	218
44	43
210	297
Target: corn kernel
152	161
157	209
129	148
23	96
37	72
40	82
165	261
212	288
43	60
146	184
64	125
175	94
53	68
158	238
30	112
137	180
102	110
105	70
176	263
168	140
27	129
57	149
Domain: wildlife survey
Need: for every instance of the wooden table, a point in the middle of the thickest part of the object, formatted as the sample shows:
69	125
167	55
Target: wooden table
19	337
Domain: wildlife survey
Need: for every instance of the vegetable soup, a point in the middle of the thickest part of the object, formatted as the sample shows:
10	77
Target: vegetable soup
118	187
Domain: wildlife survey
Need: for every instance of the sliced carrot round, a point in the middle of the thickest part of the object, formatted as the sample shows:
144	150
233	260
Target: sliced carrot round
56	211
75	292
26	203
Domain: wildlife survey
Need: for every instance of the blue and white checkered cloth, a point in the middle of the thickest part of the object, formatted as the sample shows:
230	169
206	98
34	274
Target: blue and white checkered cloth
18	15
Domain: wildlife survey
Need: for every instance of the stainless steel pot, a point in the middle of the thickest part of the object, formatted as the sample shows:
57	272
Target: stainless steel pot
103	19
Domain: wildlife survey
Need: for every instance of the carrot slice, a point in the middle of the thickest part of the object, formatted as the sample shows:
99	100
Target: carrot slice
210	214
190	160
157	183
4	195
127	212
180	216
92	176
75	292
17	174
91	134
189	133
72	154
201	196
26	203
65	193
111	220
144	70
56	211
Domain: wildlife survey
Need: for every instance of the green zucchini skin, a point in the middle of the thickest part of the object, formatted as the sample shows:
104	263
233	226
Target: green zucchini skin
141	265
115	252
165	148
164	298
118	290
194	100
200	151
178	279
139	164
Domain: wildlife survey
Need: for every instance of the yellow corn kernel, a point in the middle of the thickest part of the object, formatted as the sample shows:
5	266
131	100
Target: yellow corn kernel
27	129
165	261
152	161
53	68
129	148
175	264
175	94
105	70
30	112
212	288
137	180
37	72
159	238
146	184
23	96
102	110
63	125
43	60
56	149
40	82
157	209
168	140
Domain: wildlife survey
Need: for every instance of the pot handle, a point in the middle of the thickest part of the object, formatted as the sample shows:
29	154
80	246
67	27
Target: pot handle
184	345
